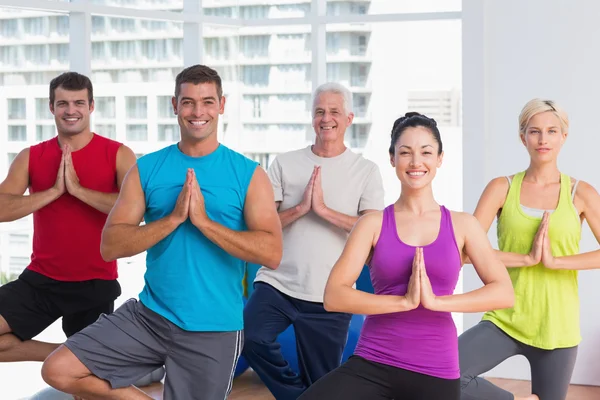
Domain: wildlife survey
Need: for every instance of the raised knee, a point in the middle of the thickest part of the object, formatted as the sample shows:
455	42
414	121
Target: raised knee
8	341
465	380
55	372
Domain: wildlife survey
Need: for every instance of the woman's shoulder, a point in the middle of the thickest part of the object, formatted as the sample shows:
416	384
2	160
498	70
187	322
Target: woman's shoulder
465	223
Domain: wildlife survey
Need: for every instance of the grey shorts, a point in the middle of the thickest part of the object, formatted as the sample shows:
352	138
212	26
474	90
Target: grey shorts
133	341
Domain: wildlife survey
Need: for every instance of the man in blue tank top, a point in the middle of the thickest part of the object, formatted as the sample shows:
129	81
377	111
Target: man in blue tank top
207	210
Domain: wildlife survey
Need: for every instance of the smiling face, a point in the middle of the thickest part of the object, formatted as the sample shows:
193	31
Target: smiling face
416	157
544	137
330	118
71	110
198	108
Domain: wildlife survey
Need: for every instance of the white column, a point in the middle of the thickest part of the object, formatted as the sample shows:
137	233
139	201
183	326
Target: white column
318	45
80	41
193	38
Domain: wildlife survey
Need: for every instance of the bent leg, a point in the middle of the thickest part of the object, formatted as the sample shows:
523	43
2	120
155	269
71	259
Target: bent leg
480	349
321	337
66	373
111	354
201	363
551	371
24	313
356	379
267	314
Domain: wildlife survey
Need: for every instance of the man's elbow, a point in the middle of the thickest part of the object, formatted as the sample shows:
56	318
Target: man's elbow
273	259
107	252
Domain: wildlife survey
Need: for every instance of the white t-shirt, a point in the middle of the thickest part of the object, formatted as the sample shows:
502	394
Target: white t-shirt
311	245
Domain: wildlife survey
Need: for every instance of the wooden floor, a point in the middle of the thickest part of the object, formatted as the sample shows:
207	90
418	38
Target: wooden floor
249	387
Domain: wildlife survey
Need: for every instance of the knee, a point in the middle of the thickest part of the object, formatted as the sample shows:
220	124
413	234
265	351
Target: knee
8	341
466	379
56	372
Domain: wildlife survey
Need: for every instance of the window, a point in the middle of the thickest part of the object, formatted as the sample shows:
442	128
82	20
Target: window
18	239
17	265
42	109
165	107
17	133
137	133
264	159
105	107
360	104
168	133
137	107
443	106
359	135
106	130
44	132
16	108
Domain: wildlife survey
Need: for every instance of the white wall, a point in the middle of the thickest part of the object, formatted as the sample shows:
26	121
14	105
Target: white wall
514	51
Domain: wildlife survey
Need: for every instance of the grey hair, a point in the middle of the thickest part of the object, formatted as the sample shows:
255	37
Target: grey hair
333	87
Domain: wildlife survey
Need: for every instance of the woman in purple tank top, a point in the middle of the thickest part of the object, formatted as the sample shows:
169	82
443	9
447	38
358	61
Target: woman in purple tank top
408	348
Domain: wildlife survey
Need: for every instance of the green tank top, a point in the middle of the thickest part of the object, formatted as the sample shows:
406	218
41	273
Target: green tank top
546	310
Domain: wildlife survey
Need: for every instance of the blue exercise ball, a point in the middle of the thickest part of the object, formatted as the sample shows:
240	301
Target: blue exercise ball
364	281
287	339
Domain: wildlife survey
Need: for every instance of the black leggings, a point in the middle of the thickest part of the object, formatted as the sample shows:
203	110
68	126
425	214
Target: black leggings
362	379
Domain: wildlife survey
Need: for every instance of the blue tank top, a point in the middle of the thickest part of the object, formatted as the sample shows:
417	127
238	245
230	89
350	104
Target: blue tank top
190	280
419	340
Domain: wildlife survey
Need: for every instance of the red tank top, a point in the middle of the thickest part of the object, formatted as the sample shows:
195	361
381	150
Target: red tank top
67	232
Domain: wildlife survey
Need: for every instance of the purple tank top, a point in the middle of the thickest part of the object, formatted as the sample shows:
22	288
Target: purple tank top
419	340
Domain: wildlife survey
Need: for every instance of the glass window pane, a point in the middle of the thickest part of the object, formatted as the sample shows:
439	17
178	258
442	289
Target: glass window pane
137	132
133	50
168	133
16	108
362	7
106	130
16	265
137	107
105	107
18	239
44	132
17	133
42	109
33	46
165	107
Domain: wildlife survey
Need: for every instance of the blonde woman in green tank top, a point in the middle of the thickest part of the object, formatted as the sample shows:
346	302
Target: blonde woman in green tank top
540	212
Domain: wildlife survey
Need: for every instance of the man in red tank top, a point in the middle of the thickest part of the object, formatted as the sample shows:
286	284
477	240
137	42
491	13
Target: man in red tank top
73	181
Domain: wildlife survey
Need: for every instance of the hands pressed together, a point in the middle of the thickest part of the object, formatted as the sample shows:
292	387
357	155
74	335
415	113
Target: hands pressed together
66	179
190	202
540	249
313	194
419	287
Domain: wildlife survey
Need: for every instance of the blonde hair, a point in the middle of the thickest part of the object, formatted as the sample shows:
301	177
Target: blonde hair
537	106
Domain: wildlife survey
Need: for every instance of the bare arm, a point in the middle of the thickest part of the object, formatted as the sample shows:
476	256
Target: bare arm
340	296
13	203
123	236
262	242
341	220
290	215
101	201
497	292
589	198
489	204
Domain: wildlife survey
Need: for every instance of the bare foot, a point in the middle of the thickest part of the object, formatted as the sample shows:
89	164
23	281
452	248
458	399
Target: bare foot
530	397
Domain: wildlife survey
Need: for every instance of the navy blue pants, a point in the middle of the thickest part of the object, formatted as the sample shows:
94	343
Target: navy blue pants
320	340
